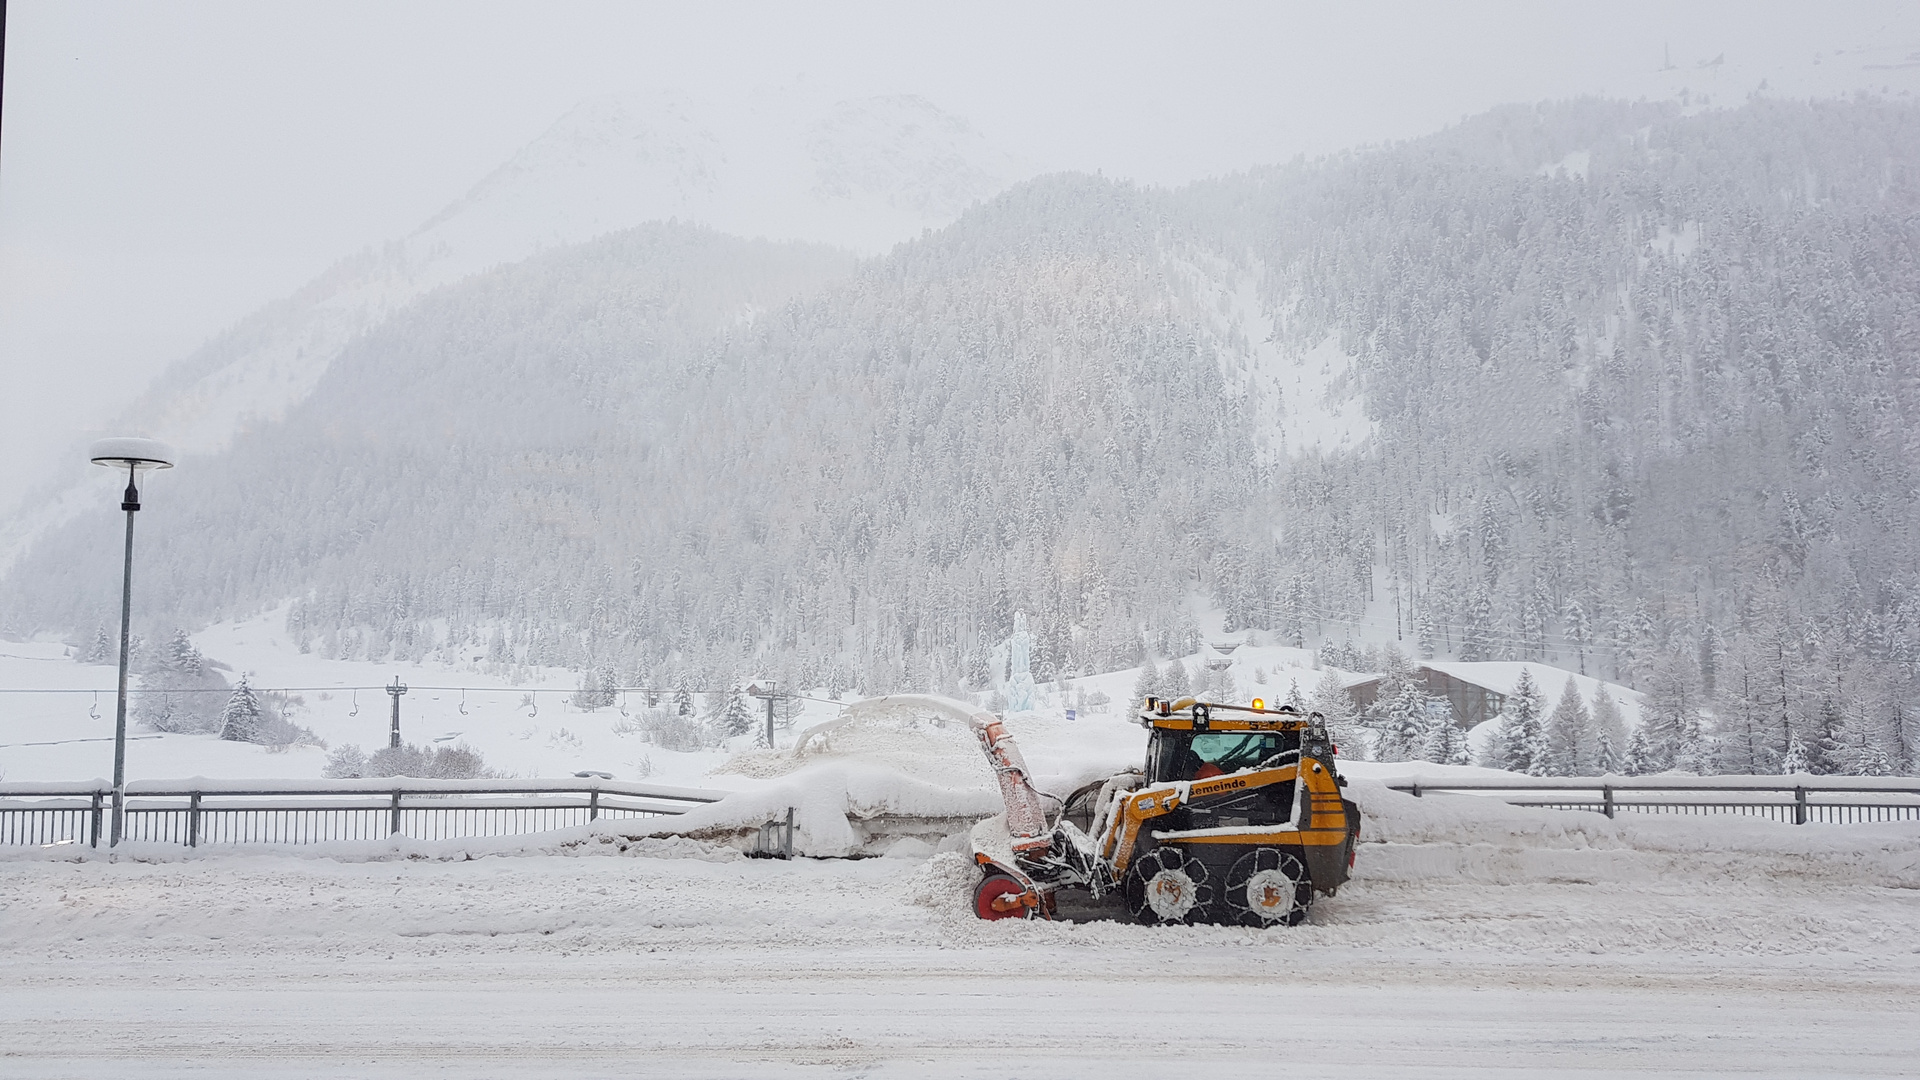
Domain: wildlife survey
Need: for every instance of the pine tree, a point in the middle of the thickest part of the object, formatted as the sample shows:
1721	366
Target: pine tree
1795	763
1523	733
1609	733
1399	720
1579	631
1871	760
587	697
1331	700
1569	730
1444	743
1146	685
240	720
1639	758
1670	715
1606	756
1475	638
737	719
1175	681
683	702
1296	700
181	654
101	651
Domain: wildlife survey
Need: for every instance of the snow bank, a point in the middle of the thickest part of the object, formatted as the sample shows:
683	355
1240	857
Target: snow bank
1441	836
599	838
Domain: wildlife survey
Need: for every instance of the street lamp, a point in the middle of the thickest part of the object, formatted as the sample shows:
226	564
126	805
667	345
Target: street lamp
135	456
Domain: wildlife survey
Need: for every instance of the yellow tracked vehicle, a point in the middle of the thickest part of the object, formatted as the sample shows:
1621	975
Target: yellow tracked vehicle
1237	817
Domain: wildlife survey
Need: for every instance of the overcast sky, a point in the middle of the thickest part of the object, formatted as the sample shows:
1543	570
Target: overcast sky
166	168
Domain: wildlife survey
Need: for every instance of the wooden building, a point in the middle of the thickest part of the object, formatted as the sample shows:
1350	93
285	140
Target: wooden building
1472	703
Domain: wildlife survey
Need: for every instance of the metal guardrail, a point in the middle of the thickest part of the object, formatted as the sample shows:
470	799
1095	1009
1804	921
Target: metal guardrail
1895	799
208	812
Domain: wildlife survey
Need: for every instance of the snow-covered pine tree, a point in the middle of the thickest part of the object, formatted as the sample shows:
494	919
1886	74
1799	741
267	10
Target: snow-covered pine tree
1295	699
1522	739
587	697
1670	715
737	718
1444	742
182	656
1828	753
1399	721
1579	630
1569	733
1870	759
1639	758
1175	681
1475	637
1331	700
100	652
1146	685
1609	733
683	702
1795	763
240	720
1606	755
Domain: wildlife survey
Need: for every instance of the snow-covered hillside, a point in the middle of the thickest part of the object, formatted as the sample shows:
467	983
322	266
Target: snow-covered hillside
793	162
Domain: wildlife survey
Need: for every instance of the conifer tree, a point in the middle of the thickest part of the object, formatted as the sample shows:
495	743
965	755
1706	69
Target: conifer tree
1331	700
1146	685
736	719
101	651
1795	763
1444	742
182	656
1175	681
1522	737
1399	721
1569	731
1295	699
240	720
1606	756
1609	733
1639	760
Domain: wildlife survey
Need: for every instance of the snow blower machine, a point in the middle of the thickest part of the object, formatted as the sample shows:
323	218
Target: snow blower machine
1237	818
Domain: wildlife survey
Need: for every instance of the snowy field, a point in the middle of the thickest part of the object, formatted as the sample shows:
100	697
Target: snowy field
1475	940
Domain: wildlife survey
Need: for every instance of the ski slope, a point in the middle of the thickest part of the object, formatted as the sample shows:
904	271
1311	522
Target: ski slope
1474	940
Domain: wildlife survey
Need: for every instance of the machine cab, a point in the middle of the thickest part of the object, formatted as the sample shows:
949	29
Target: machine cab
1197	741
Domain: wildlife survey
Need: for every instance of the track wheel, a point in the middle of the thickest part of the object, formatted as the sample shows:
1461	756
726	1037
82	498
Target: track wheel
1268	887
1166	885
1001	897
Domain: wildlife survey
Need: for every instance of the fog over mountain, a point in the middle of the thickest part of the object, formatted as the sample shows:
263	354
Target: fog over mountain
1624	386
793	161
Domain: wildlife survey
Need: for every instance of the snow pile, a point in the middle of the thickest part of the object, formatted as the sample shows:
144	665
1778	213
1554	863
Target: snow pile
1465	837
944	884
915	757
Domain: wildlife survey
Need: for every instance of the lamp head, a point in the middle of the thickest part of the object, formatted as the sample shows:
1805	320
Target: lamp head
137	454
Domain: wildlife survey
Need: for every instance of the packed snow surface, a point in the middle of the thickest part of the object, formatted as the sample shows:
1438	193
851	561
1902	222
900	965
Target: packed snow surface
1475	939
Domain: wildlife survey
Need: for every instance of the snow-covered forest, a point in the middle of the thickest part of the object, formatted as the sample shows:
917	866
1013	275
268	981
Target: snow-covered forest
1619	387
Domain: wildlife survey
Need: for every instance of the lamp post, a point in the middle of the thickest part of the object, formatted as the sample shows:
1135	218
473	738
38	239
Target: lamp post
136	456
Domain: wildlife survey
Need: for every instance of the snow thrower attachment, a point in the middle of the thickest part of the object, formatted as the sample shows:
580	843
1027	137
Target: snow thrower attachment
1237	817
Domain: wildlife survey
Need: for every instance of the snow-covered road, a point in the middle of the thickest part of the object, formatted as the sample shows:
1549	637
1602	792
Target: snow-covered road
1554	950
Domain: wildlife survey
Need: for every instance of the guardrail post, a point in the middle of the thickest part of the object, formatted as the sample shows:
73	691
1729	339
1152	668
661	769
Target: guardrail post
1799	806
193	820
395	830
1606	793
94	841
593	806
1416	789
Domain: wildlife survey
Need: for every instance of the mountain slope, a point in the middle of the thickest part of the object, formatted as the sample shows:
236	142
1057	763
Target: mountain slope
1646	414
